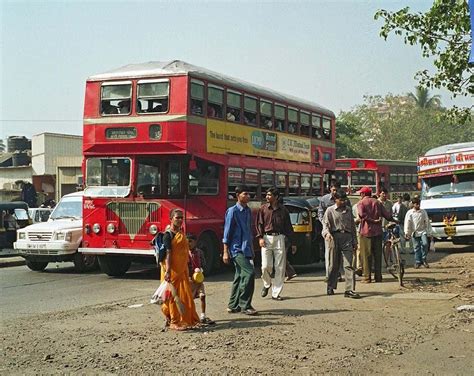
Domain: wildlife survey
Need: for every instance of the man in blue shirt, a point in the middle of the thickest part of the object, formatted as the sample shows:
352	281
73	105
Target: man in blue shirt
238	248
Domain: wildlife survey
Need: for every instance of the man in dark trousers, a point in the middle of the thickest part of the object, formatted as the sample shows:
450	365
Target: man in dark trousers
238	248
370	212
340	233
273	226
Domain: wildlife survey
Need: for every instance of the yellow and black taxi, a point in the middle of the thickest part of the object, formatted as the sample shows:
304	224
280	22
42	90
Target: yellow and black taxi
307	229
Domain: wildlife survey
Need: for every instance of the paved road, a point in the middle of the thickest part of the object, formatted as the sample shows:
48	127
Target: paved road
24	292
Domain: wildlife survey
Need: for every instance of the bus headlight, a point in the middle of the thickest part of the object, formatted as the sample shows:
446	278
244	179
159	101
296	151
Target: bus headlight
96	228
21	235
153	229
110	228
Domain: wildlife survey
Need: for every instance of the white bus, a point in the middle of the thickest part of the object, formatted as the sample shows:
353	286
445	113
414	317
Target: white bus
447	191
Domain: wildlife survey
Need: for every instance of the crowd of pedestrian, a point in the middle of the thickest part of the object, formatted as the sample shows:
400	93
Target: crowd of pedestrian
354	239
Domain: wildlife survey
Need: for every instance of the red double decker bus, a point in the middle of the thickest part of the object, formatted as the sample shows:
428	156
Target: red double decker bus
397	176
163	135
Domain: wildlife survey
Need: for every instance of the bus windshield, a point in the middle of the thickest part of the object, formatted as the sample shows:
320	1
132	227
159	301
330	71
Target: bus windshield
363	177
107	177
448	185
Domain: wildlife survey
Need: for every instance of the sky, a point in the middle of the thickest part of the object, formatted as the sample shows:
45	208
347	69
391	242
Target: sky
328	52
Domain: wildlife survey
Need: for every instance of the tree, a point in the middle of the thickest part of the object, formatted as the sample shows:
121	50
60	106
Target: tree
347	138
443	32
394	127
423	99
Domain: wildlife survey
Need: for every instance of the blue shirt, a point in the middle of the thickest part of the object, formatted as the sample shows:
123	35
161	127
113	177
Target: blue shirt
237	230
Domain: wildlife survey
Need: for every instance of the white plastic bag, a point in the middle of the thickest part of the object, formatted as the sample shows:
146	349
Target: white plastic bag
161	294
432	245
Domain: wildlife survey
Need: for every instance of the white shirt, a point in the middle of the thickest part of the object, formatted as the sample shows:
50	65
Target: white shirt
417	223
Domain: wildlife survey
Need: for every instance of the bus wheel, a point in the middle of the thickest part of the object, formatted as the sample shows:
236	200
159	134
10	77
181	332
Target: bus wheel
207	242
85	262
37	266
114	266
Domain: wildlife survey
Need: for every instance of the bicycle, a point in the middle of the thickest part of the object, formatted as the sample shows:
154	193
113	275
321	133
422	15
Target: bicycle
394	263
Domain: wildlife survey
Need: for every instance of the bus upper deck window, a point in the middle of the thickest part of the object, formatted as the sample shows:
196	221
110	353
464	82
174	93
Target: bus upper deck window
292	121
250	110
327	128
233	106
197	97
266	109
115	98
153	96
280	115
316	126
304	120
215	101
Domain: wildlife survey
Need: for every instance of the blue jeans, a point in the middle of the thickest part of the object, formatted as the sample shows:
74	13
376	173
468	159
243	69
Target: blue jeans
421	248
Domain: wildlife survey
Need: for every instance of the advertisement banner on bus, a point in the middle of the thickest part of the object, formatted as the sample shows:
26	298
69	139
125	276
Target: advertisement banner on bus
225	138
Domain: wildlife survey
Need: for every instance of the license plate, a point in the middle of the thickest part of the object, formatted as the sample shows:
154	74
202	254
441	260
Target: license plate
36	246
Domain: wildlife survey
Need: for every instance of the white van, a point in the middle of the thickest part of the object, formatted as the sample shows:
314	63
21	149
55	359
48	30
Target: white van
57	239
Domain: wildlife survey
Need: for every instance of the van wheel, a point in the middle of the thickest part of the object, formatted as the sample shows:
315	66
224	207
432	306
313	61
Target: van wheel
84	262
114	266
37	266
207	242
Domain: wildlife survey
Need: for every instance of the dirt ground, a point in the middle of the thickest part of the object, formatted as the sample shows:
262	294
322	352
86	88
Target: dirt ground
414	330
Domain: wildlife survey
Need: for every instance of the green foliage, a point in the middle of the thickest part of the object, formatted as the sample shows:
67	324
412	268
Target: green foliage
423	99
443	33
395	127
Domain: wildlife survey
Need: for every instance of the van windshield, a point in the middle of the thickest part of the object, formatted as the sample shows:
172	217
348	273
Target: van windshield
70	207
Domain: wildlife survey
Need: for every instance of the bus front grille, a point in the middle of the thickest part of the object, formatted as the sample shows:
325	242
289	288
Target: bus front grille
133	216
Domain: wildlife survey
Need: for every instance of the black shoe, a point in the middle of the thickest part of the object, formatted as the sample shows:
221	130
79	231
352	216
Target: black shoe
425	264
417	266
265	291
279	298
330	291
351	294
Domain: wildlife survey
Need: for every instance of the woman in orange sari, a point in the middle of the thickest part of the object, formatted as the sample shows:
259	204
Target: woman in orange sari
174	269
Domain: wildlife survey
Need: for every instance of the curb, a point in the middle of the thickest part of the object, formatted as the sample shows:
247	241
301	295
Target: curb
12	261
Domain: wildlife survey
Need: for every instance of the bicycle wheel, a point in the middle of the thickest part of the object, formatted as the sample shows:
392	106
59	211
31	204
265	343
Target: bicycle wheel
399	267
387	250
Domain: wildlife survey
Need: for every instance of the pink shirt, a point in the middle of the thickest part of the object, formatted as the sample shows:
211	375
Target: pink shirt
370	210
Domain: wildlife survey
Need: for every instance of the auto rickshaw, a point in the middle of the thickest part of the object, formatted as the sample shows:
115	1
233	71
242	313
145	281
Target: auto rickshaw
13	215
307	229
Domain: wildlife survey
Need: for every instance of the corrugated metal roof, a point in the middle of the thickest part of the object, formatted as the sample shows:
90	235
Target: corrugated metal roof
178	68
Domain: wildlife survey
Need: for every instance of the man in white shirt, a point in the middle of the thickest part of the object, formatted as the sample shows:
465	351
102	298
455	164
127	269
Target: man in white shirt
418	226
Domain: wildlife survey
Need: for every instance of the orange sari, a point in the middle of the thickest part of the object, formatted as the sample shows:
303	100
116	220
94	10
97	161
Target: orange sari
179	277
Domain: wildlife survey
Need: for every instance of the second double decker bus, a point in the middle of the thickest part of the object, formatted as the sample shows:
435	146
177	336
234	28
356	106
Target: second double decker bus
397	176
166	135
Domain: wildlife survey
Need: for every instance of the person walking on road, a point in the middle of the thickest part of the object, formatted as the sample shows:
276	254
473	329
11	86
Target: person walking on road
370	212
238	248
339	231
325	202
418	227
273	227
174	269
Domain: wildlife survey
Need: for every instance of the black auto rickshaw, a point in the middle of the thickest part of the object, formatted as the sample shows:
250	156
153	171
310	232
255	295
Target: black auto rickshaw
307	229
13	215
